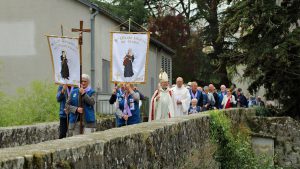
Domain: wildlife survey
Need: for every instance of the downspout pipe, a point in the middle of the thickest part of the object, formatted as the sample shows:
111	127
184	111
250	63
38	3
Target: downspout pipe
93	15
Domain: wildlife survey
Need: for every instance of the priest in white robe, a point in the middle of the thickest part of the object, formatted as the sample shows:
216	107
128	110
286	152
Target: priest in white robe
182	98
162	103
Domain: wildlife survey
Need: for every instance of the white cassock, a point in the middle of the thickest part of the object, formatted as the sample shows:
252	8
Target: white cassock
182	94
164	107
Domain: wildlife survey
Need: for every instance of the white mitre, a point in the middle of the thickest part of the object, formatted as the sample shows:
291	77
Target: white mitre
163	77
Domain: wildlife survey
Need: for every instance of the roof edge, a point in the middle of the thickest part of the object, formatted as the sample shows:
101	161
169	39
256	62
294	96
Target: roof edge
117	19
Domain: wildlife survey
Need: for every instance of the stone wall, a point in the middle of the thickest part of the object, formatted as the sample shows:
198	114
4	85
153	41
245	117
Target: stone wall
32	134
286	134
182	142
173	143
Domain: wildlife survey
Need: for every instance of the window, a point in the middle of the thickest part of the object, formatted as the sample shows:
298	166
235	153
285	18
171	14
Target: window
105	75
166	65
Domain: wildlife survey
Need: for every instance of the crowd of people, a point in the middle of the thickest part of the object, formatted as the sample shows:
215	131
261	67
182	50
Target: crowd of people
180	99
77	104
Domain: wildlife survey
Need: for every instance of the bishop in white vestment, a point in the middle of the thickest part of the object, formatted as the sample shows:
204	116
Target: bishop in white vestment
162	103
182	98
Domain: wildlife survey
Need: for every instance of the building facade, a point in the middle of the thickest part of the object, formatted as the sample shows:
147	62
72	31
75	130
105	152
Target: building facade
25	55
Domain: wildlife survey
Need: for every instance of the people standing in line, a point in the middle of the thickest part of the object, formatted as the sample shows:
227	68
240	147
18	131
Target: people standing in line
252	101
210	99
118	95
221	95
74	108
162	105
228	100
127	106
241	99
259	102
233	91
182	98
62	95
196	94
212	90
194	108
205	101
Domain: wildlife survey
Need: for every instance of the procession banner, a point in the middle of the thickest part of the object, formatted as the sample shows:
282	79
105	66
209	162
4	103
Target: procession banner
65	58
129	57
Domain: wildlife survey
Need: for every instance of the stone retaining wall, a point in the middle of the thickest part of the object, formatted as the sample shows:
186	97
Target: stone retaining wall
32	134
182	142
160	144
286	134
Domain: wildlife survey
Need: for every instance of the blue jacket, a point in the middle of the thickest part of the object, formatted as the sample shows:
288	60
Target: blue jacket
242	100
191	110
134	107
89	112
61	98
199	97
221	99
205	98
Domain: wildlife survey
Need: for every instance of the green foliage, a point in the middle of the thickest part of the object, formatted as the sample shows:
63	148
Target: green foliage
266	111
234	147
269	46
126	9
34	104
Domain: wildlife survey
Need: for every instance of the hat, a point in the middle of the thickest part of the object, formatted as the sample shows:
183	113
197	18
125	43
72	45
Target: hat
163	76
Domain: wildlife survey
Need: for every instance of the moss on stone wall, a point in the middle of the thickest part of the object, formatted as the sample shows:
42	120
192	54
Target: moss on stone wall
233	143
64	165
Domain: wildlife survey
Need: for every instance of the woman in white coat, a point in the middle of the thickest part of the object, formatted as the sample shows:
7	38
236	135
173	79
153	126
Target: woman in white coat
228	100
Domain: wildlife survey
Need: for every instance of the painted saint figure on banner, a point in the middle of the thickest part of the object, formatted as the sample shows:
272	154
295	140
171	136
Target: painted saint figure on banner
64	66
127	63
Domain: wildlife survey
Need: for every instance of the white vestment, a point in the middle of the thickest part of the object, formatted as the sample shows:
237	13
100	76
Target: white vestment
181	94
162	108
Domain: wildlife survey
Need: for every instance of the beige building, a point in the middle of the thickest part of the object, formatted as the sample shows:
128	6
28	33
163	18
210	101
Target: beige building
243	83
24	50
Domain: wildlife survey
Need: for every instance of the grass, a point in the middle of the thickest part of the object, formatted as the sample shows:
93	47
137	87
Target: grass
34	104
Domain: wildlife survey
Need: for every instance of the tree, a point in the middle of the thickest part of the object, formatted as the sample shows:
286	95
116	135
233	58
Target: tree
186	26
201	19
209	14
269	45
126	9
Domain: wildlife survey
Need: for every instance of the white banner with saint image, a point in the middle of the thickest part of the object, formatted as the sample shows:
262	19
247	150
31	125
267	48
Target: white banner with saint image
129	57
65	59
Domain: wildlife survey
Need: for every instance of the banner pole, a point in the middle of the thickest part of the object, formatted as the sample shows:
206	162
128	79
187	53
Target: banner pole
81	30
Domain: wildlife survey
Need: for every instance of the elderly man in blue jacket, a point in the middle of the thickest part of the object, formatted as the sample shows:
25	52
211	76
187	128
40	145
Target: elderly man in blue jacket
72	106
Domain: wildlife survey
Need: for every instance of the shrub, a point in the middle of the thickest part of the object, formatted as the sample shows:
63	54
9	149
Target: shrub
234	149
33	104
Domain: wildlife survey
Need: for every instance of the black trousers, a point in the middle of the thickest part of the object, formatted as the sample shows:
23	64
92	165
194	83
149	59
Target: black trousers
63	127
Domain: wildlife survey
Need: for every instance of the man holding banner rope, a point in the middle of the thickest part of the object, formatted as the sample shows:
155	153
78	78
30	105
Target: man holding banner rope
126	100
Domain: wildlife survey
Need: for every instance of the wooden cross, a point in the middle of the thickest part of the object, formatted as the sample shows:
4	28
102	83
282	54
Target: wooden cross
81	30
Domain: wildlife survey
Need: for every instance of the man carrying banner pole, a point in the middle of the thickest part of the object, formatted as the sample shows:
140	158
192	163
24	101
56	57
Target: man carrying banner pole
76	109
81	30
